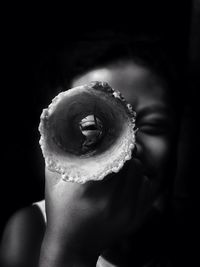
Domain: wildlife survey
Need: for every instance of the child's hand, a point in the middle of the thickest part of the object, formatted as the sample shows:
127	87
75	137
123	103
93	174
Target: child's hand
84	219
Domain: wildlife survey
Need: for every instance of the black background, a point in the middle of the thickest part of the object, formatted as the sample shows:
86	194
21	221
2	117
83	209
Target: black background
32	36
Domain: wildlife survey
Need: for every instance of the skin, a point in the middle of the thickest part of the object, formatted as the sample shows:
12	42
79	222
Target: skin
155	115
146	94
108	212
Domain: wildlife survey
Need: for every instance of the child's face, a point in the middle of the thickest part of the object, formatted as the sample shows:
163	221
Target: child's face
154	116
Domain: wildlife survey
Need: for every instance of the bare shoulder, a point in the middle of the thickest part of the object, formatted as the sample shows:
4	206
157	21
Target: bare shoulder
22	237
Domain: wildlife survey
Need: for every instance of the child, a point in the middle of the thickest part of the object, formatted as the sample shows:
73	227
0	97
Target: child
121	220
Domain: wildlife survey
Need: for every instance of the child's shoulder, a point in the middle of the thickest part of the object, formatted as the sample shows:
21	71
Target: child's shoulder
22	235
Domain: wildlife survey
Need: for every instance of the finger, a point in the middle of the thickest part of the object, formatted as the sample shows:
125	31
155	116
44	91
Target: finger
126	198
128	180
103	188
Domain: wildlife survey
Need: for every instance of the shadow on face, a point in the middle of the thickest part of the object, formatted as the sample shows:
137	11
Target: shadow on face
149	98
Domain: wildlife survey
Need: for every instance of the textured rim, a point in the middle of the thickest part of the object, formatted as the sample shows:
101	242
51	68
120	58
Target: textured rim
79	175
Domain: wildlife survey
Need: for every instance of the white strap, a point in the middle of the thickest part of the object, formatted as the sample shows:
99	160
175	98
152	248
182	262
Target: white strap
41	206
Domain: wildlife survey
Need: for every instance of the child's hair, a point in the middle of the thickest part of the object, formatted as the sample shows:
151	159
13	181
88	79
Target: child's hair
102	48
96	49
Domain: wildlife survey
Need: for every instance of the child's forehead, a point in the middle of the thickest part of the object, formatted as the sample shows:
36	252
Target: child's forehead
137	84
117	72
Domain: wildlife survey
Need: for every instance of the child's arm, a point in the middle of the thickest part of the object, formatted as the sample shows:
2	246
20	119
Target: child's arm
22	238
85	219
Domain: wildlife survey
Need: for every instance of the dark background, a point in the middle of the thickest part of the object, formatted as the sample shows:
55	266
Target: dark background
32	37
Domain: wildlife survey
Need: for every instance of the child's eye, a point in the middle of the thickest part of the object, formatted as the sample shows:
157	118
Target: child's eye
156	128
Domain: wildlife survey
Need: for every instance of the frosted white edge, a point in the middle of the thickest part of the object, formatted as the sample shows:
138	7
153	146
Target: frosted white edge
75	173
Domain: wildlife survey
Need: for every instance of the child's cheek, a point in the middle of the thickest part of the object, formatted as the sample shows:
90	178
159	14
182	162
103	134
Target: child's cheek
154	149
